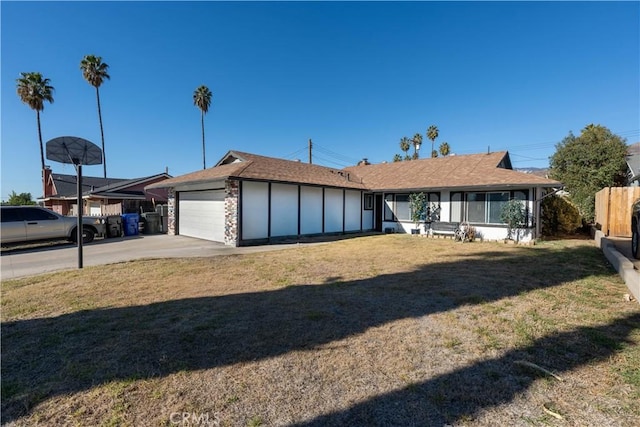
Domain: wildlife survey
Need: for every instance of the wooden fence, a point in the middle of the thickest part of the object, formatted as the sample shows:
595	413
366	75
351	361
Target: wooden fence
613	210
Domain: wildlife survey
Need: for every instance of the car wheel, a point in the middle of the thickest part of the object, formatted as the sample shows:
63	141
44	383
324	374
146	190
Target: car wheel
635	242
87	235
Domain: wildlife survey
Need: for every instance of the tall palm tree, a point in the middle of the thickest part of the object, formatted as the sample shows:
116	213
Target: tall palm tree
34	90
202	100
405	145
94	72
432	134
417	140
445	149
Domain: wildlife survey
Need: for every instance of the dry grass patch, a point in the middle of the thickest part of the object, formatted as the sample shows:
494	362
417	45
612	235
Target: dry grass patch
382	330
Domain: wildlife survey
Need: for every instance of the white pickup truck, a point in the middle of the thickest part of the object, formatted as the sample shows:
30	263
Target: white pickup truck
21	224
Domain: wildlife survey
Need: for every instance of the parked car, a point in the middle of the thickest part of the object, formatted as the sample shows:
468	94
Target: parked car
21	224
635	229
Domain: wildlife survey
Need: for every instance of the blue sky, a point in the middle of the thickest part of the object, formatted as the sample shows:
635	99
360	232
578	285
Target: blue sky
354	77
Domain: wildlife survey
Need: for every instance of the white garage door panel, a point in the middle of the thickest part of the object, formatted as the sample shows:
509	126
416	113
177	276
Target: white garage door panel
201	214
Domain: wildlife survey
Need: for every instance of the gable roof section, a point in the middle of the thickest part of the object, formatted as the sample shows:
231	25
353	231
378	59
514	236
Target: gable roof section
66	186
246	166
462	171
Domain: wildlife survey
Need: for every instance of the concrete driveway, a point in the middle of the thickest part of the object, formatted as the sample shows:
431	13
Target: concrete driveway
48	258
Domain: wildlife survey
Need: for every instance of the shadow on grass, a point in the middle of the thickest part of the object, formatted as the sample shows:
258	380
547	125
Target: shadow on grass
461	394
45	357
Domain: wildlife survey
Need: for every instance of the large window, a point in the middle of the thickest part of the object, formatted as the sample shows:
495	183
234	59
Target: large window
398	208
486	208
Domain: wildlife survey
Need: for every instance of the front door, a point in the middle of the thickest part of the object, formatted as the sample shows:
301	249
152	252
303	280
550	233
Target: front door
378	212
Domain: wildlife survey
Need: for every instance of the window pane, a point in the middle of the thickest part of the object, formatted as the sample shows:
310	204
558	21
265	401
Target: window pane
475	207
11	215
403	210
520	195
496	203
456	207
388	205
32	214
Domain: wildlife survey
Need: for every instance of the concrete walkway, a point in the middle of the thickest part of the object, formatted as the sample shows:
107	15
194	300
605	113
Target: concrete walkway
618	251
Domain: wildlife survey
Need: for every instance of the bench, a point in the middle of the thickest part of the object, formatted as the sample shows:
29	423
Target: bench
444	228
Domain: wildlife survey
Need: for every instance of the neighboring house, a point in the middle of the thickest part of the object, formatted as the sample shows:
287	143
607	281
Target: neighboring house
102	196
250	199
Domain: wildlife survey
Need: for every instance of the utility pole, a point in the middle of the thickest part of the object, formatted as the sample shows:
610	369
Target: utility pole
310	145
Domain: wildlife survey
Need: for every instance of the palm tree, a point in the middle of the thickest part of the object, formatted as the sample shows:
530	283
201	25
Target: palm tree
94	72
432	134
34	90
445	149
202	100
397	158
405	145
417	140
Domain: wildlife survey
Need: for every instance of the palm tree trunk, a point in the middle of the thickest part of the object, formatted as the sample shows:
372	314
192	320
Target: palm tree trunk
204	163
40	139
41	151
104	156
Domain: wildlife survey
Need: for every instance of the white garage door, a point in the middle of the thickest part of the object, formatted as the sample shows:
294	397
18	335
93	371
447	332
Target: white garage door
201	214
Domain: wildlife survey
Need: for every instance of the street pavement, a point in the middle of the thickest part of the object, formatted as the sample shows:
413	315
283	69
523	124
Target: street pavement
21	262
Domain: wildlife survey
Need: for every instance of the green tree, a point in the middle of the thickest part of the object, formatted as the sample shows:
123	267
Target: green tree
432	134
397	158
434	154
19	199
418	205
559	216
417	141
514	215
34	90
588	163
445	149
95	72
202	100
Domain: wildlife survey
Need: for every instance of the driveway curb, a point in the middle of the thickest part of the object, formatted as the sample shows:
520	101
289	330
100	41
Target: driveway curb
622	264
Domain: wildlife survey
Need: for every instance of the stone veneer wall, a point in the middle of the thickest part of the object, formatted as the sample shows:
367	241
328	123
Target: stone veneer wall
171	211
231	200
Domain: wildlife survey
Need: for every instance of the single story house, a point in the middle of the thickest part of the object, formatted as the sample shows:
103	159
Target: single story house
102	196
250	199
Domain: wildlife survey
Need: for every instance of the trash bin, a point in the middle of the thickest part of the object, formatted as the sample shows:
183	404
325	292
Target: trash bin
114	226
151	222
130	223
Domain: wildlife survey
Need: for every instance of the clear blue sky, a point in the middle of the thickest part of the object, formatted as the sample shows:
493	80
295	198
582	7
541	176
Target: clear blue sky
354	77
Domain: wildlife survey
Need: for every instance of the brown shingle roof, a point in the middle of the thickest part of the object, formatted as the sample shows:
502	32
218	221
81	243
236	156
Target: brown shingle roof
466	171
254	167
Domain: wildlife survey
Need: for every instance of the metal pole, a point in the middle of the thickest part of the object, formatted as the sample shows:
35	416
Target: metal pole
310	145
80	231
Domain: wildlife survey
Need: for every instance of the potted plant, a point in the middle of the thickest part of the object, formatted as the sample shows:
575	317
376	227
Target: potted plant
418	205
514	215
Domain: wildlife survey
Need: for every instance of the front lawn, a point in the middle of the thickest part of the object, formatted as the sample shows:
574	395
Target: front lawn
380	330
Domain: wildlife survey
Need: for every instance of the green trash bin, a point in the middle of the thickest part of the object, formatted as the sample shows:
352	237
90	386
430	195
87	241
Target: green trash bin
151	222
